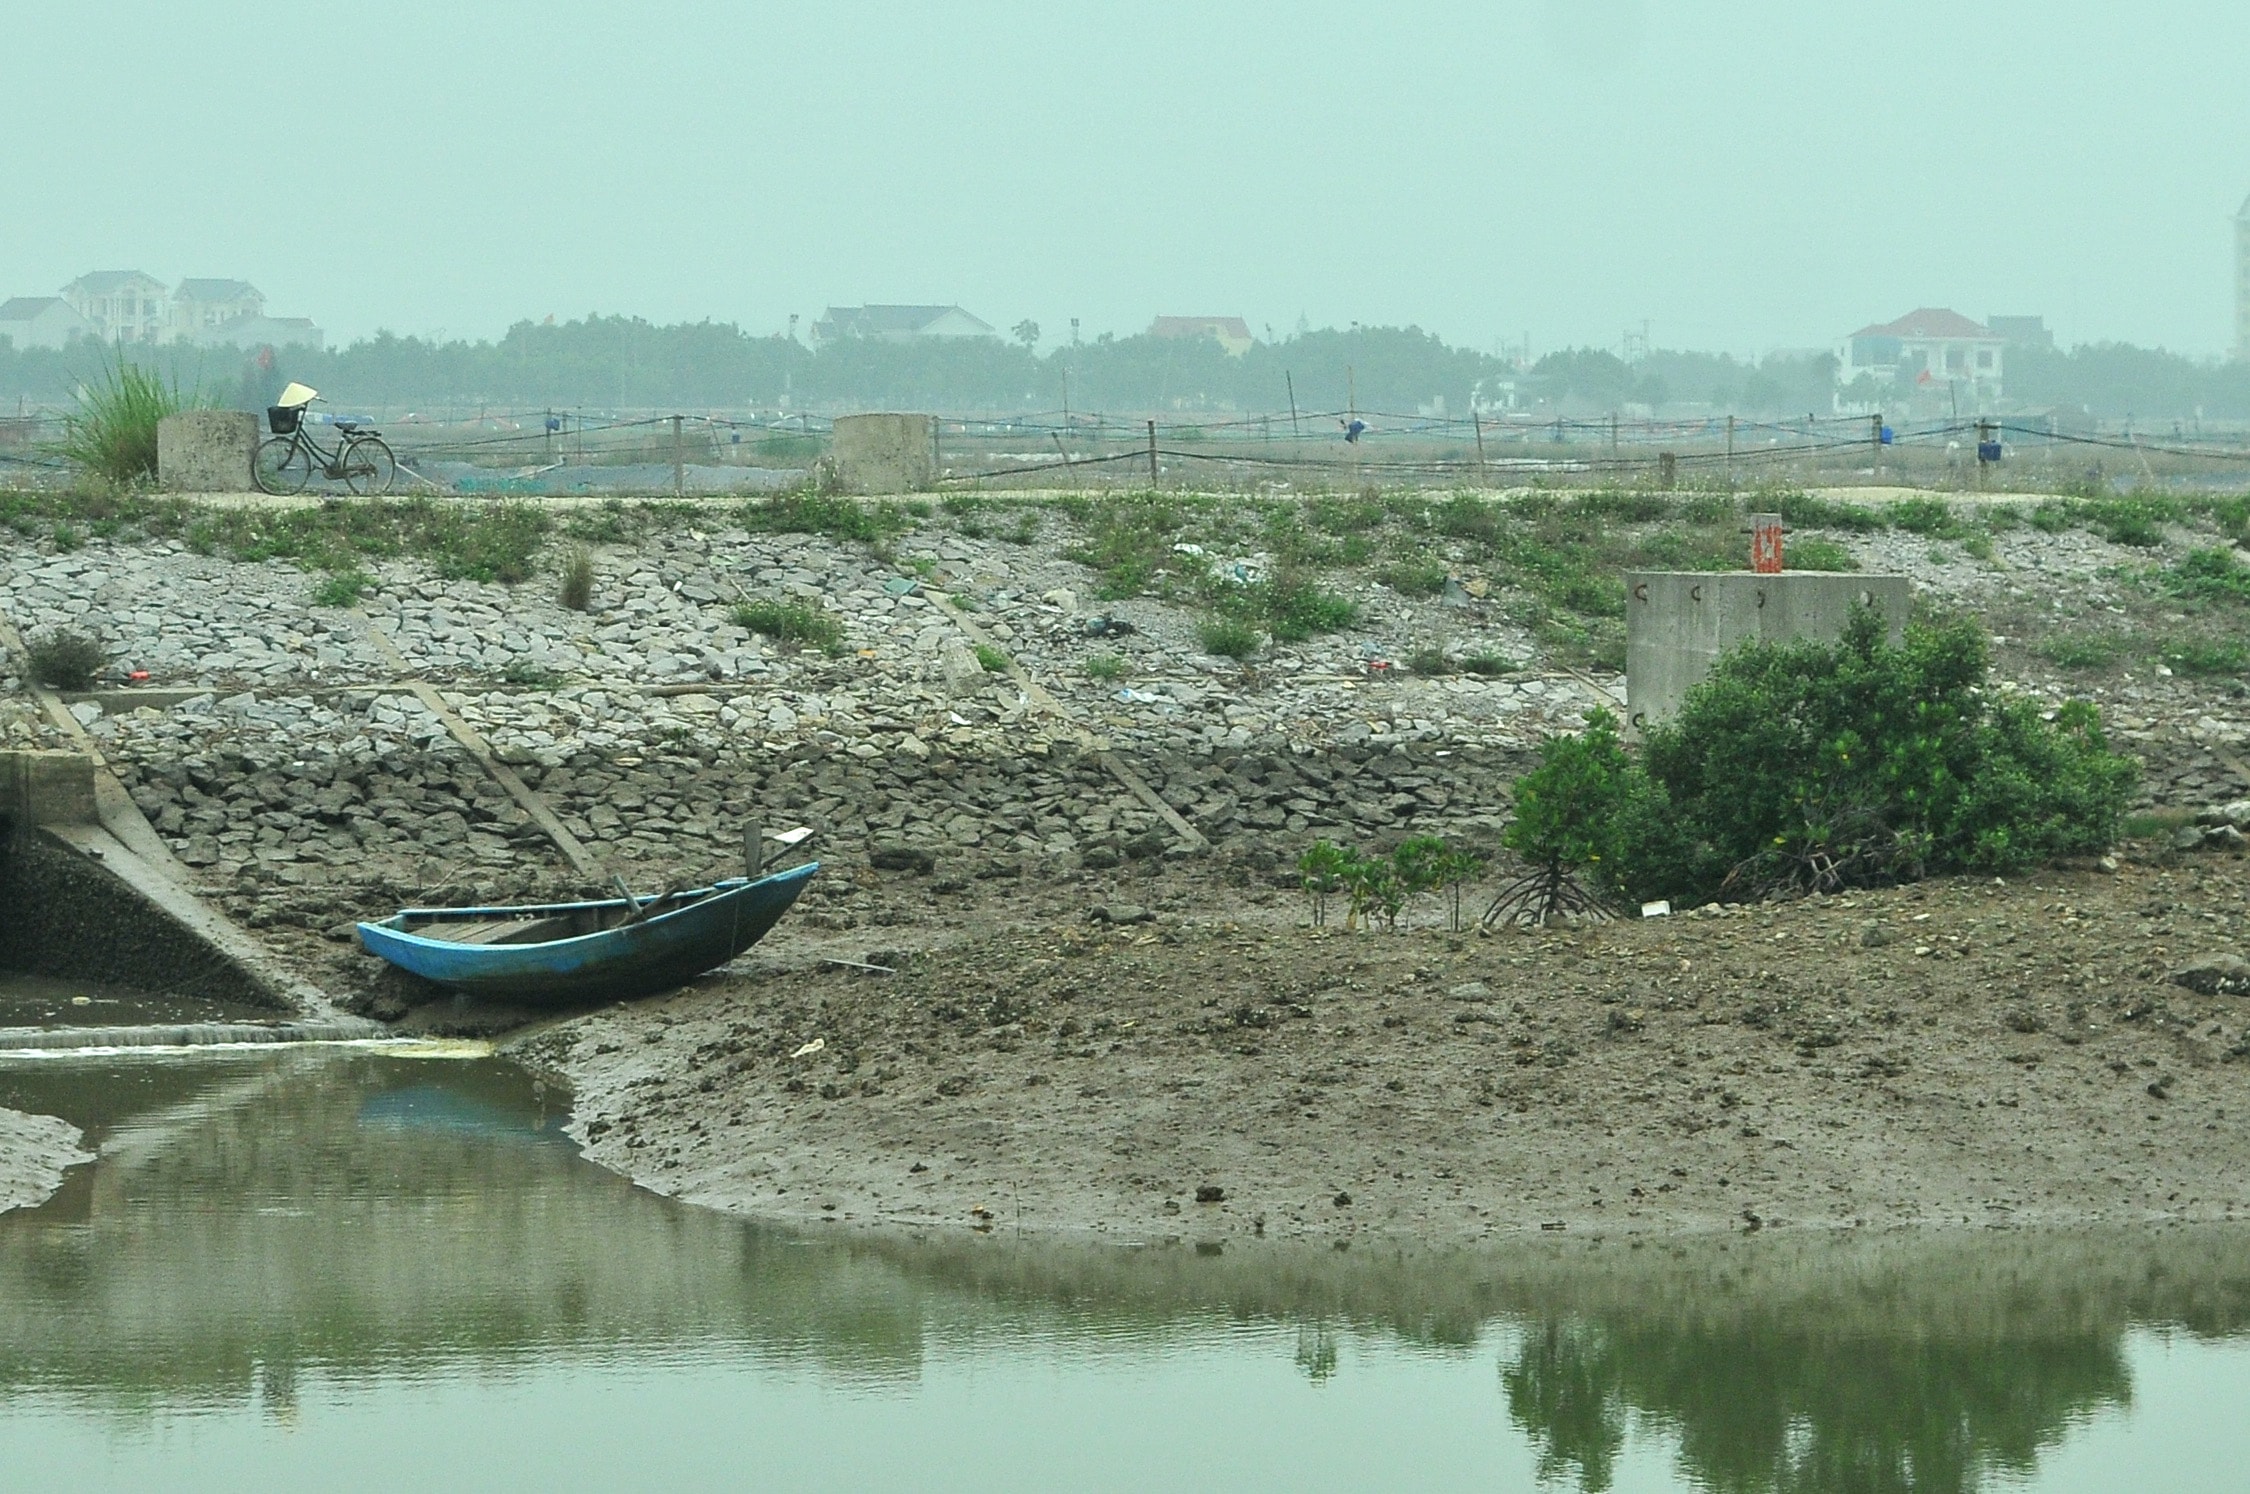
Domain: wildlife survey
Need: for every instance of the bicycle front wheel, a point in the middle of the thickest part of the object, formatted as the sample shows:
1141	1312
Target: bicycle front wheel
369	466
281	465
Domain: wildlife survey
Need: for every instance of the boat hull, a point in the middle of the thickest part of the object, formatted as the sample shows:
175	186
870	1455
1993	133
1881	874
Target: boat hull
709	927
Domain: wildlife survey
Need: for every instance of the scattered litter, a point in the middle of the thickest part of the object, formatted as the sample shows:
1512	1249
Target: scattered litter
901	586
792	837
1132	696
1109	627
815	1046
956	718
1661	908
1184	548
861	965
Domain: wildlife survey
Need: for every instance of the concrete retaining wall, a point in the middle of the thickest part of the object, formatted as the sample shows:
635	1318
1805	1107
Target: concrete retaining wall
64	915
206	451
886	453
1678	623
47	788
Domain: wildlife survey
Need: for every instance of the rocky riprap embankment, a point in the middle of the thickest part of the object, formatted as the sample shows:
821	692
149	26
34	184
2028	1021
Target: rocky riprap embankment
658	728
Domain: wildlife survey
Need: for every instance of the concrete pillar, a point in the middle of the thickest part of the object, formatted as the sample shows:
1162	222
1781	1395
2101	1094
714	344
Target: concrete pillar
206	451
1678	623
47	788
885	453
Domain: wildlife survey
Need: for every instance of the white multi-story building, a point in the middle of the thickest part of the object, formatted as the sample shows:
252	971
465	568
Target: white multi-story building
121	305
1933	349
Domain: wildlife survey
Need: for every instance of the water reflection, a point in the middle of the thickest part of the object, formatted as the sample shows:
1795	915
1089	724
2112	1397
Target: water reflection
259	1223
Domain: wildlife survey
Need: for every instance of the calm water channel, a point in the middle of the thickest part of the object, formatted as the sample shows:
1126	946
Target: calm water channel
330	1269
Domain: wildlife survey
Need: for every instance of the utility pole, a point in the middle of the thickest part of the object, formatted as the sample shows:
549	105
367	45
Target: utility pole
1875	439
1152	479
1730	452
547	436
1296	432
679	458
1477	422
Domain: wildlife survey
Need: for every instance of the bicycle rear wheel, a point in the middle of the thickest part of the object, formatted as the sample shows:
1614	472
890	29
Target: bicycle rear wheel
369	466
281	465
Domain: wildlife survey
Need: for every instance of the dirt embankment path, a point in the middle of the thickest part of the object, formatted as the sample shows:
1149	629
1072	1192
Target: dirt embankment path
34	1152
1958	1053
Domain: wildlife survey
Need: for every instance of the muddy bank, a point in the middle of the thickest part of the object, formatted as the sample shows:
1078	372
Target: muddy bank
34	1152
1950	1054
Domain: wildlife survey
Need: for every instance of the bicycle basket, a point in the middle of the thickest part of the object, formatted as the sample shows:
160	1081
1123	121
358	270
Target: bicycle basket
282	419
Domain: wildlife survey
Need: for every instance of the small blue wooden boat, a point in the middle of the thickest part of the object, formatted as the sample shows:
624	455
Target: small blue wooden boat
599	951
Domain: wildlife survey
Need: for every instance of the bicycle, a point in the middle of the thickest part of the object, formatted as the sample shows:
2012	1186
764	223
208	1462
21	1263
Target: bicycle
285	461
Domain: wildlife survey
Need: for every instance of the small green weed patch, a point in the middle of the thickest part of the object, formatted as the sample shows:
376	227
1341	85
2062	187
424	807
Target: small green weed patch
793	624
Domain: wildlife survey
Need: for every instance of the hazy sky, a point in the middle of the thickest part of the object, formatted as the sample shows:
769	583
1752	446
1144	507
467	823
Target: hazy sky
1742	174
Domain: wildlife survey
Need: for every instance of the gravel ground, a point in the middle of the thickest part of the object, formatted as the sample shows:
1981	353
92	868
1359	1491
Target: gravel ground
1956	1053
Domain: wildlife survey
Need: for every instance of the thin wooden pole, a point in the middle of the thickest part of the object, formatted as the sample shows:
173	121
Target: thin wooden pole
1152	478
679	457
1477	422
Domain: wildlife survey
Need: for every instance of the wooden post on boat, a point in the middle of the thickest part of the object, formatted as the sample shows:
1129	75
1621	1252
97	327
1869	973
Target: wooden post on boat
753	852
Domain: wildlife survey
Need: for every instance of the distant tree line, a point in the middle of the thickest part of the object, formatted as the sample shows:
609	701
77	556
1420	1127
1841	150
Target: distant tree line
627	363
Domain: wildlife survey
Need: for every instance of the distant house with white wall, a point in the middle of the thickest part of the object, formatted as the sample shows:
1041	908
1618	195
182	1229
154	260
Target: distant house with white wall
121	305
1229	332
1933	348
41	322
263	332
897	324
199	306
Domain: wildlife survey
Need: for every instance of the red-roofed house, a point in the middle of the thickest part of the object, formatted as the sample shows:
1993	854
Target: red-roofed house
1229	332
1933	348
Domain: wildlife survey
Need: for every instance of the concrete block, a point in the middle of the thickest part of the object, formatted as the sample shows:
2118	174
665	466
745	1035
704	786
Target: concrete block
206	451
885	453
1678	623
47	788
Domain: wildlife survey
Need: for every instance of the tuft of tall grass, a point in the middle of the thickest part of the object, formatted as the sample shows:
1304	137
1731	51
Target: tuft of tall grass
112	435
66	660
577	592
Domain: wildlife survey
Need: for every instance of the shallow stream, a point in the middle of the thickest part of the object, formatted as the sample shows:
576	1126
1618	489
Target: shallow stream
348	1269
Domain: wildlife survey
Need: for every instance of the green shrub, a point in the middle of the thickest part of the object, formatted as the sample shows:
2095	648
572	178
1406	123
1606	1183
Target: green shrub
791	623
2206	656
2137	520
1419	576
1932	518
1807	511
1430	659
112	434
1105	667
994	660
577	590
66	660
342	588
2209	575
1489	664
1813	766
2082	650
837	518
1292	605
1820	555
1227	637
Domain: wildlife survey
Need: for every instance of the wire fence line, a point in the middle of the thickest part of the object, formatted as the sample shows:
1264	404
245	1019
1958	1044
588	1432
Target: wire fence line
1348	446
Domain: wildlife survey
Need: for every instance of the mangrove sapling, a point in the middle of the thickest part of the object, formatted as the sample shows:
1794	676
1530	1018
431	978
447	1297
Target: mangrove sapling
1420	864
1321	870
1571	813
1374	886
